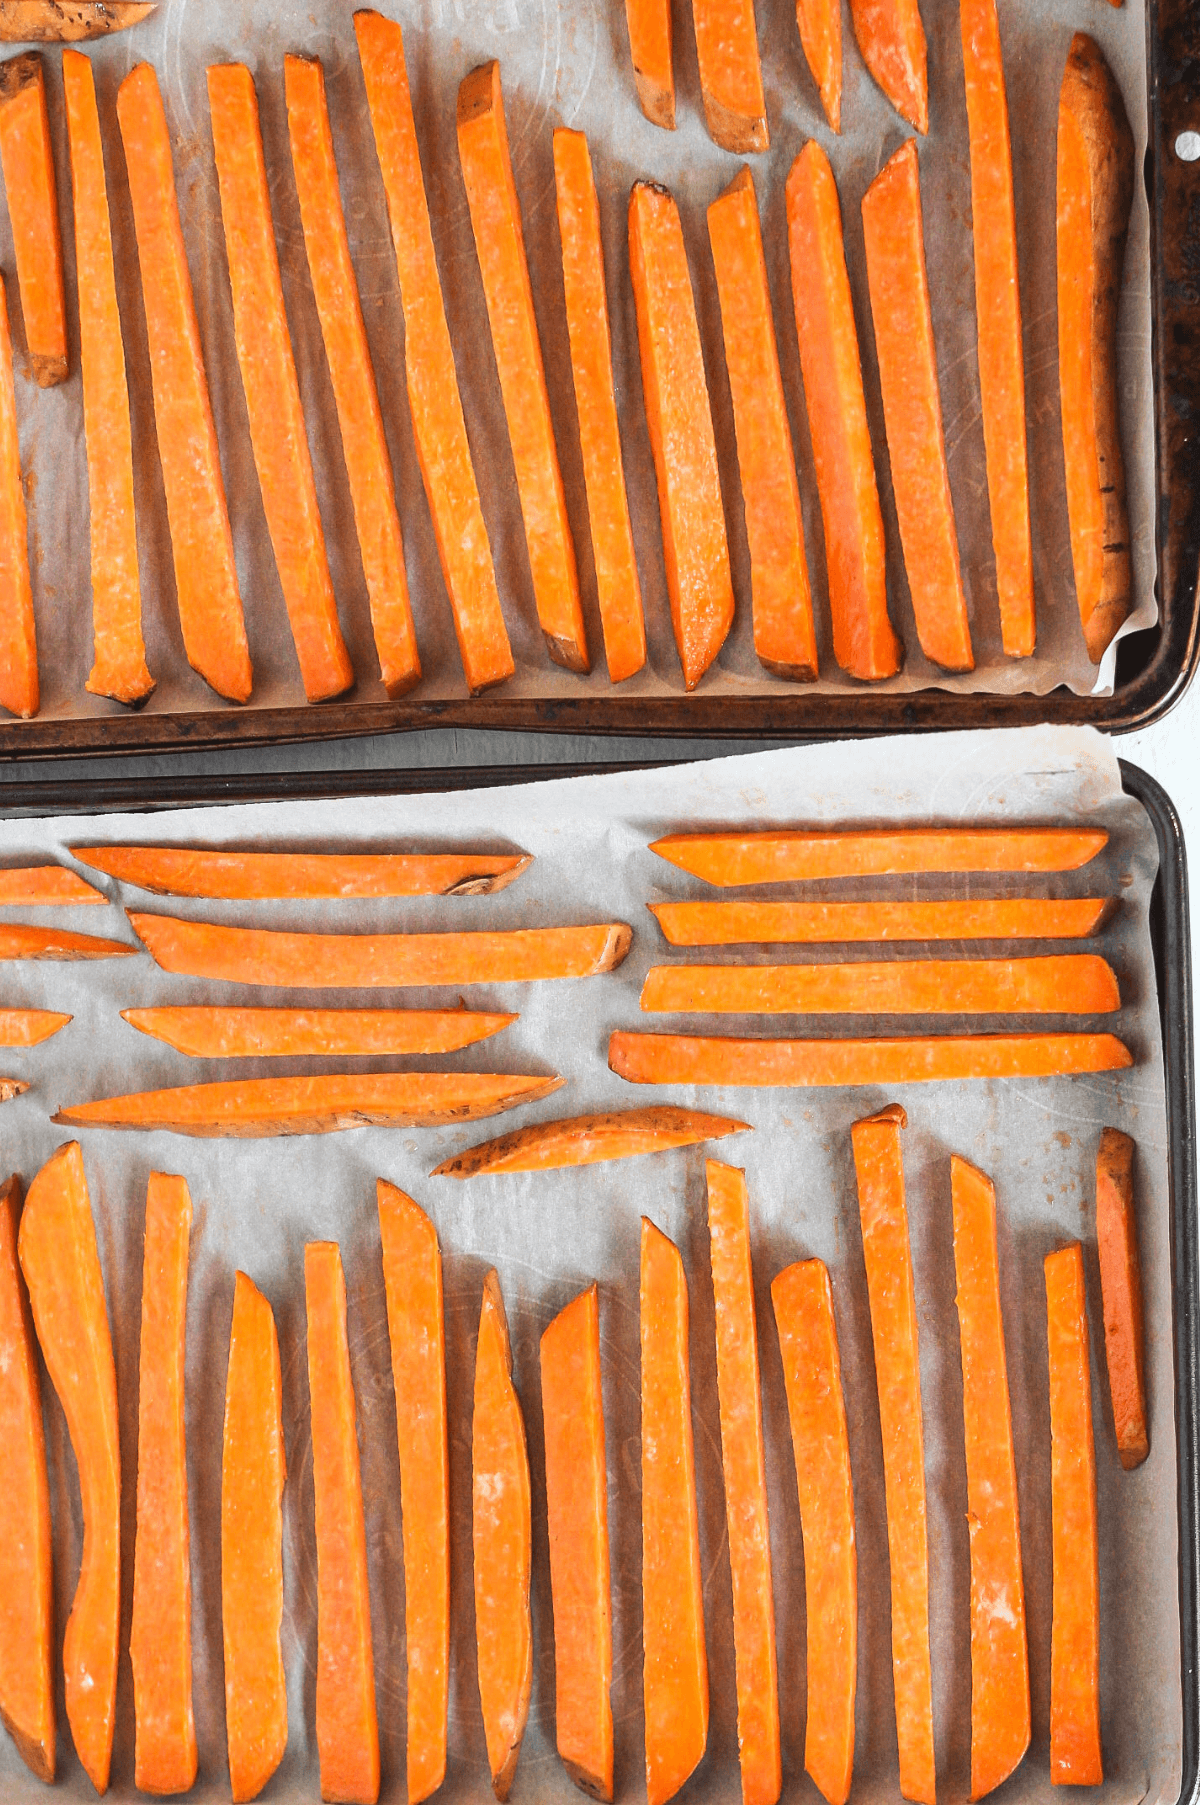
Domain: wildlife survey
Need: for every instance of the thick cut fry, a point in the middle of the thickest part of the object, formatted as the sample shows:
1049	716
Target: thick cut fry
501	1544
618	588
57	1248
812	1374
439	429
251	1108
18	940
674	1653
19	689
1095	194
731	74
356	961
1075	1758
252	1479
892	40
784	638
412	1276
787	857
796	923
998	321
799	1064
864	642
1121	1291
908	376
999	1650
42	886
884	1218
119	652
160	1640
364	447
740	1398
229	1033
500	245
577	1522
589	1140
68	21
820	24
264	351
206	581
302	876
29	1027
347	1729
679	415
1071	984
26	1575
27	159
651	50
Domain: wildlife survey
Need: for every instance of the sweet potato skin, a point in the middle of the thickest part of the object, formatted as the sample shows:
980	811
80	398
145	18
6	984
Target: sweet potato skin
588	1140
67	21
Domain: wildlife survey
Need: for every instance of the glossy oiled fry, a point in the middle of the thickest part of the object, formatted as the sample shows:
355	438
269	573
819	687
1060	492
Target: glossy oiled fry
589	1140
798	1064
301	876
1008	918
788	856
1071	984
215	1032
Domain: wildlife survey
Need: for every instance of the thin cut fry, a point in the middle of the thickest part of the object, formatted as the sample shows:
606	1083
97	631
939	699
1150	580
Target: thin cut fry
731	74
892	40
68	21
27	159
787	857
1008	918
650	47
19	689
228	1033
41	886
589	1140
820	24
1071	984
18	940
302	876
1121	1292
29	1027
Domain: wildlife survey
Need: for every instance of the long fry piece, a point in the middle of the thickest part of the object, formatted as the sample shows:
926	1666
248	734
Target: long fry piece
651	50
731	74
1007	918
298	876
820	26
18	940
589	1140
29	1027
19	687
218	1032
790	856
68	21
42	886
892	40
1072	984
1121	1292
798	1064
27	160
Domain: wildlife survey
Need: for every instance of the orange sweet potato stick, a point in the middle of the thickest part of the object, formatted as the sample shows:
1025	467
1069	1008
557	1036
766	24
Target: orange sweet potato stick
500	246
364	447
412	1275
820	24
1070	984
299	876
651	48
1121	1291
786	857
678	413
892	40
675	1656
438	426
998	321
42	886
501	1543
27	159
912	408
18	940
784	638
999	1650
252	1479
19	689
618	587
1008	918
864	642
577	1520
26	1576
588	1141
57	1248
119	652
740	1399
731	74
884	1218
29	1027
1075	1758
812	1374
347	1729
229	1033
206	581
264	350
160	1639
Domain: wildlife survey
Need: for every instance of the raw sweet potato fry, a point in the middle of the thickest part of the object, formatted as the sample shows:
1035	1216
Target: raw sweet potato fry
67	21
229	1033
892	40
820	23
650	47
1095	193
10	1088
29	1027
26	1576
731	74
589	1140
864	642
1075	1758
57	1249
19	689
1121	1291
884	1218
364	446
1005	918
206	581
784	638
355	961
347	1729
302	876
618	587
501	1543
264	352
19	940
740	1398
895	243
785	857
577	1522
42	886
412	1276
500	245
812	1373
679	415
27	159
439	429
1071	984
999	1650
252	1480
250	1108
160	1640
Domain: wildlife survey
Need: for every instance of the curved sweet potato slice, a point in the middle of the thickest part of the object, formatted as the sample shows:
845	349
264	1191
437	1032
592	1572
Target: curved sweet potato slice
29	1027
651	47
19	690
27	159
1121	1292
786	856
1071	984
731	74
1008	918
228	1033
892	40
820	24
19	940
42	886
301	876
589	1140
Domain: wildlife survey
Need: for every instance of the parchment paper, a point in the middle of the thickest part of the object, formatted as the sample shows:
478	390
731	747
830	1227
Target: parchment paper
567	61
257	1203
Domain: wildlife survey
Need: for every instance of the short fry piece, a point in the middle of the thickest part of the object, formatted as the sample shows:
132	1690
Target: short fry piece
18	940
796	923
10	1088
1071	984
787	857
217	1032
68	21
19	688
29	1027
892	40
797	1064
1121	1291
651	47
27	159
42	886
731	74
301	876
820	24
588	1141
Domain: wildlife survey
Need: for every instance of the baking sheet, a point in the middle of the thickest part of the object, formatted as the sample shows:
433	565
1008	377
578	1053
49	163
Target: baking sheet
257	1203
566	61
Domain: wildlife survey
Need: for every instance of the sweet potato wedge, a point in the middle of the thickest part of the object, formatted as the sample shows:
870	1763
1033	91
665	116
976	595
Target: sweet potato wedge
735	107
820	25
892	40
42	886
29	1027
19	940
797	1064
27	159
19	688
230	1033
68	21
1121	1292
786	857
589	1140
1071	984
302	876
650	48
796	923
10	1088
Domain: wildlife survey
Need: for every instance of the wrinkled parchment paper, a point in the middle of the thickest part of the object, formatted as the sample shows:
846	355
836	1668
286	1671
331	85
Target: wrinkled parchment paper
567	61
257	1203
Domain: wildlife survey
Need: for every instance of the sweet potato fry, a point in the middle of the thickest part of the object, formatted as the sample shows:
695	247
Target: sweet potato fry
500	245
892	40
650	48
10	1088
250	1108
786	857
19	689
18	940
42	886
784	638
820	24
731	74
1121	1291
864	642
29	1027
589	1140
27	159
1073	984
1007	918
228	1033
301	876
68	21
57	1249
678	413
